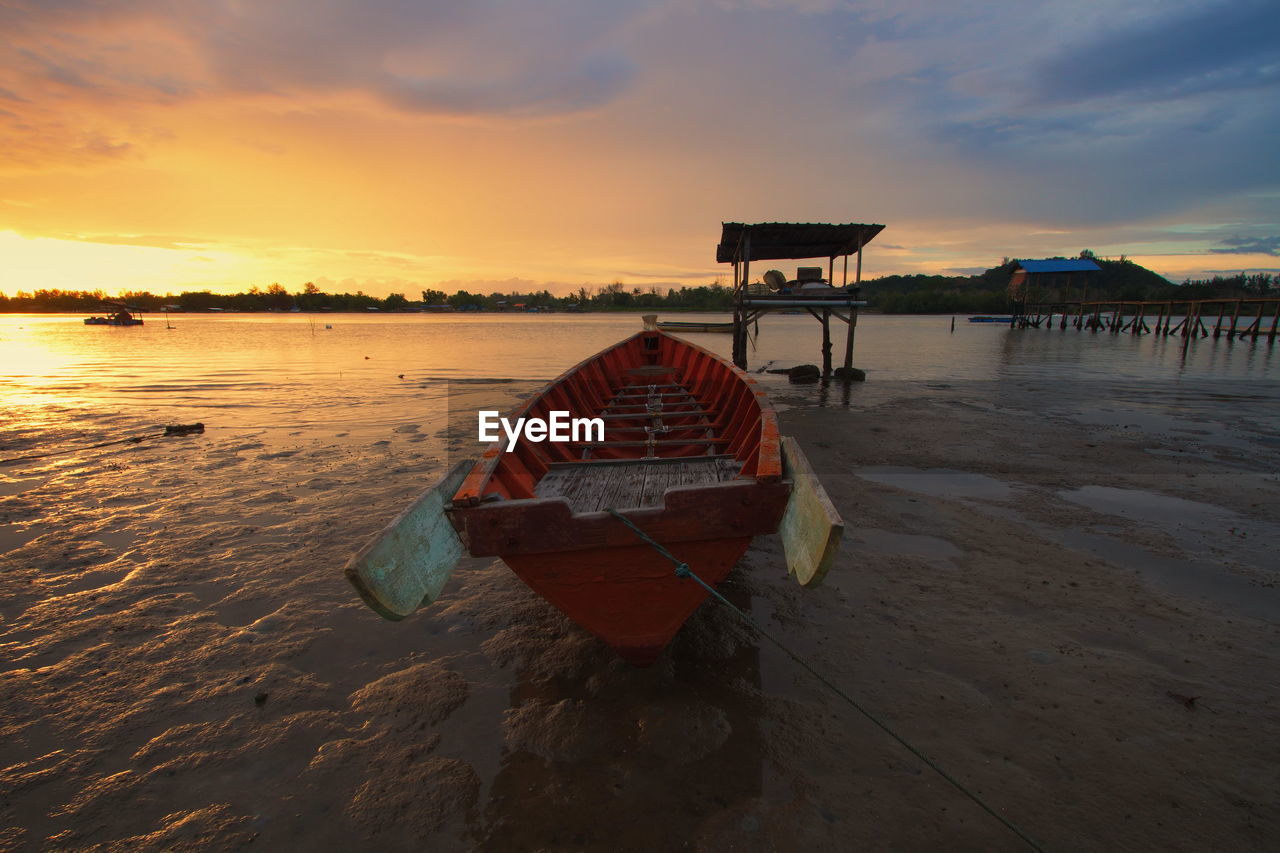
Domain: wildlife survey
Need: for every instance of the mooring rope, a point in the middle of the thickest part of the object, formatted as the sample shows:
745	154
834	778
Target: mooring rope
173	429
683	571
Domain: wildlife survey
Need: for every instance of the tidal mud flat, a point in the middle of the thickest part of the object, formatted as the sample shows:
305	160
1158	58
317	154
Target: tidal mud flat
1069	604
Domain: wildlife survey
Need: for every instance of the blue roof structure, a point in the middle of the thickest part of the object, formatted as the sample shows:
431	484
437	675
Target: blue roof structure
1060	265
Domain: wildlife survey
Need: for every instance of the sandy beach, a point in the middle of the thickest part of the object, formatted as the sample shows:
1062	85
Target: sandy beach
1071	608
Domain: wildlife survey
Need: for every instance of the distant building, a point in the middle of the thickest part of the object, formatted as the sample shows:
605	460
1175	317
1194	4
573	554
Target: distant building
1052	279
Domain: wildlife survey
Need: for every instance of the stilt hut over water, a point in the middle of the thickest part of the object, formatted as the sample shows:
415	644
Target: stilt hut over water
740	244
1052	279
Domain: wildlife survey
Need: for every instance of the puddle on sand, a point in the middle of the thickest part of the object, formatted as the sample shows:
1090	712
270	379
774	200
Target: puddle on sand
938	482
1192	578
17	486
1201	529
14	536
904	544
1149	507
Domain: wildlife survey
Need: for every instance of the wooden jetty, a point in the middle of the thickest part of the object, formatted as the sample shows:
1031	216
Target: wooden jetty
740	244
1234	317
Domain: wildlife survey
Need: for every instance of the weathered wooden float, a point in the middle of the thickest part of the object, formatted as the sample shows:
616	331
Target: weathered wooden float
690	454
694	326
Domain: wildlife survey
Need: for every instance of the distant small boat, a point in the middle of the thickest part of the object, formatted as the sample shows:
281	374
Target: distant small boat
690	455
990	319
694	326
123	318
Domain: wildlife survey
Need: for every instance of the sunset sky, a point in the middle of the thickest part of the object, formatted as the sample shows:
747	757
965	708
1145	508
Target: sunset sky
395	145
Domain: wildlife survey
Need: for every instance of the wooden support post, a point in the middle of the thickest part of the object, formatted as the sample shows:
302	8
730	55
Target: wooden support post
1271	336
826	341
739	315
1256	325
1231	333
853	324
1217	327
858	273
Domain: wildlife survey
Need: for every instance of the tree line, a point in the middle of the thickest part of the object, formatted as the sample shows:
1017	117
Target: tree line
985	292
610	297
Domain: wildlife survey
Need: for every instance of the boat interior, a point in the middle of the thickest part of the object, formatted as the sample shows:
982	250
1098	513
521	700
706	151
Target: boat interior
674	415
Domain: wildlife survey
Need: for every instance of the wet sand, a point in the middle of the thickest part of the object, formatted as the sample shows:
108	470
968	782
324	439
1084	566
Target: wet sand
1030	591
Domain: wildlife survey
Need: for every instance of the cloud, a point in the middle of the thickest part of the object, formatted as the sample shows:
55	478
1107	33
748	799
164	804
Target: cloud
1208	48
498	57
155	241
1121	114
1249	246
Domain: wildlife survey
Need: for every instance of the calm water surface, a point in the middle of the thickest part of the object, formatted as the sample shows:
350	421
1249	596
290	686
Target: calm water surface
354	371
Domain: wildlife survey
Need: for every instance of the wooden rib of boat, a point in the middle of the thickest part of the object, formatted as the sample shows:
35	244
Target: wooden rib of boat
694	326
691	455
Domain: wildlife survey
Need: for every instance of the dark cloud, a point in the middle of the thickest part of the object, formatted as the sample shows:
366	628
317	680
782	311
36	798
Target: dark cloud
1249	246
1162	112
1213	47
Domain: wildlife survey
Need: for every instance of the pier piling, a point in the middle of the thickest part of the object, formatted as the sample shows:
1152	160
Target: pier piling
1113	316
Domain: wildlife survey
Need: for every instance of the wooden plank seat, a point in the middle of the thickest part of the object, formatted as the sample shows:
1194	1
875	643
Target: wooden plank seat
592	486
662	394
665	413
674	442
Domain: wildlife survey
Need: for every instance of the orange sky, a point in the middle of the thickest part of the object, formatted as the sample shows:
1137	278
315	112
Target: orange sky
392	146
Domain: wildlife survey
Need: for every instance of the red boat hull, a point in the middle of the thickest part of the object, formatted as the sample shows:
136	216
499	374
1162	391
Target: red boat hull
629	597
542	507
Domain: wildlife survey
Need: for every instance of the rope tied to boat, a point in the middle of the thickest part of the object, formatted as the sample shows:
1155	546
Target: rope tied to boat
683	571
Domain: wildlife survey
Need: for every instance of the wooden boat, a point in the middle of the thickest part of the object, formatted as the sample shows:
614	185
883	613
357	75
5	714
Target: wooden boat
122	318
694	326
690	455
